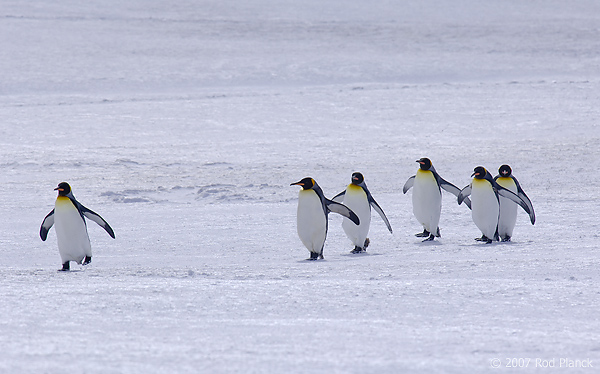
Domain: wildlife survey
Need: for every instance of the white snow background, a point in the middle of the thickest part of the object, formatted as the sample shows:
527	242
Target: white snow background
183	123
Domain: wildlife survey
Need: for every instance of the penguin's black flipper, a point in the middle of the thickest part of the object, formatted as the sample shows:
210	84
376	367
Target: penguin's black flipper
342	210
467	202
453	190
339	197
380	211
514	197
409	183
464	193
93	216
525	198
46	225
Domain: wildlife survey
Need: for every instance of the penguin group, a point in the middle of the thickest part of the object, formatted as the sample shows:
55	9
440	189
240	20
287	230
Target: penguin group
354	204
493	203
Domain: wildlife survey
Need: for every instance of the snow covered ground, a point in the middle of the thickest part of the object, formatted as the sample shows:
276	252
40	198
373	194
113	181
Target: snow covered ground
183	123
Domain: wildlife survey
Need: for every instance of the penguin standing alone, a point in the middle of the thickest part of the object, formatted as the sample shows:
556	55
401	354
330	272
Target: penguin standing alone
427	197
358	198
508	210
71	230
312	222
485	193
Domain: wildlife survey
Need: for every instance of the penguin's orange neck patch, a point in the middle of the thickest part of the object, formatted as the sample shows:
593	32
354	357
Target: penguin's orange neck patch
63	200
506	182
480	182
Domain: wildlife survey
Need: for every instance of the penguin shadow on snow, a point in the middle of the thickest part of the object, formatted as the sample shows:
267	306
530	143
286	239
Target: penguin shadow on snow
429	243
494	244
336	257
361	254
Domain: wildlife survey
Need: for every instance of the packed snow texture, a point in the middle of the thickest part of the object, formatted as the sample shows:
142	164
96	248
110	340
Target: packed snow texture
183	123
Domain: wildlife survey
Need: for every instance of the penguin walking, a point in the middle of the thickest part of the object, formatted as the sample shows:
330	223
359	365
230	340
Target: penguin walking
71	230
427	197
312	222
358	198
508	210
485	195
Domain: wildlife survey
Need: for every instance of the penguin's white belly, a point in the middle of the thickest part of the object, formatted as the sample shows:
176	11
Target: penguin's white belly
71	232
355	198
312	222
427	200
508	209
485	207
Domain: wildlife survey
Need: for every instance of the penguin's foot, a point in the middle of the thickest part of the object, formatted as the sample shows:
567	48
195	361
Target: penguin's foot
430	238
438	233
484	239
66	267
87	260
423	234
315	256
367	242
358	249
506	238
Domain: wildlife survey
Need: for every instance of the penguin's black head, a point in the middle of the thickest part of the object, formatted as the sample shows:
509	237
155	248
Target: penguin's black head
306	183
63	189
357	178
505	171
424	163
479	172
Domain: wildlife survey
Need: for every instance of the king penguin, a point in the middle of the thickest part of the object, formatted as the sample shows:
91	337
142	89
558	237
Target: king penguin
313	208
427	197
485	203
71	230
508	210
358	198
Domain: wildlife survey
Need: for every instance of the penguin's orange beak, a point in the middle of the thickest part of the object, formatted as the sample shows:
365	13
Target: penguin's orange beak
297	184
59	189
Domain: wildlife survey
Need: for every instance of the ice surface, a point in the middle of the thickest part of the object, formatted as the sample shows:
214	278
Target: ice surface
183	123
